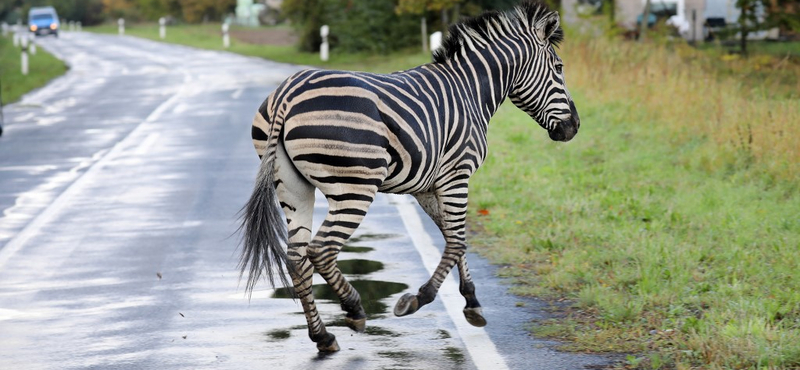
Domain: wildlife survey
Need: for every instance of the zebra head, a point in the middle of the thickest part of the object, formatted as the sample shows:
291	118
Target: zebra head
540	89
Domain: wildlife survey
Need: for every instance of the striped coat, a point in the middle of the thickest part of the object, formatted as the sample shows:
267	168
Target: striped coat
420	132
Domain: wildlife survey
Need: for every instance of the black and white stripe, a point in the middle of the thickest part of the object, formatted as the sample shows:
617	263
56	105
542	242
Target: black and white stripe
420	132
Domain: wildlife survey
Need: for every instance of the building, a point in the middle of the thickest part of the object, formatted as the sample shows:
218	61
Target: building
688	16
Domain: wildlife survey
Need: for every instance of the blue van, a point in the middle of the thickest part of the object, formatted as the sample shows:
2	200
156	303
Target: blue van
43	21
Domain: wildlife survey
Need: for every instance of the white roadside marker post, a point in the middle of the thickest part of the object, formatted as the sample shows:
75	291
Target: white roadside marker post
71	26
5	29
79	26
24	55
121	24
436	40
33	43
226	38
323	48
162	28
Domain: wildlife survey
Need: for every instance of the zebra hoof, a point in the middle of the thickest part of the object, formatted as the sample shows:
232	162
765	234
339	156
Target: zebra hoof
474	316
328	344
407	305
358	325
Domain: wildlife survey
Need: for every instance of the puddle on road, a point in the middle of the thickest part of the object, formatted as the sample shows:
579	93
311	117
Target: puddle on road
352	249
279	334
359	267
454	354
377	330
371	291
395	354
365	237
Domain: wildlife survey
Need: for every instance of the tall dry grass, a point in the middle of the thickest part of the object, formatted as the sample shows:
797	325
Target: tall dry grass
748	117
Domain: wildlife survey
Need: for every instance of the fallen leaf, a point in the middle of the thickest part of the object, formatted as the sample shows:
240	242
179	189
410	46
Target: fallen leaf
483	212
184	337
159	275
181	314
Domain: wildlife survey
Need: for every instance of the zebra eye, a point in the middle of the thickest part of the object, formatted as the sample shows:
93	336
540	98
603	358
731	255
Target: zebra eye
559	68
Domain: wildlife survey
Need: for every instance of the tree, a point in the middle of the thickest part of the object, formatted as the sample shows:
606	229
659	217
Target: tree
120	9
354	25
10	10
307	16
195	11
645	21
784	14
423	6
751	18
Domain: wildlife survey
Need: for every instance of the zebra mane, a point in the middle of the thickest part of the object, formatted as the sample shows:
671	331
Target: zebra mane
483	29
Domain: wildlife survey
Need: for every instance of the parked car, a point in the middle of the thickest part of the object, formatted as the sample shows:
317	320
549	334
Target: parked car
43	21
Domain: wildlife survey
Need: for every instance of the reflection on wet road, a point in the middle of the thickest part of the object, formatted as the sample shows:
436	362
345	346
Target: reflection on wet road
119	188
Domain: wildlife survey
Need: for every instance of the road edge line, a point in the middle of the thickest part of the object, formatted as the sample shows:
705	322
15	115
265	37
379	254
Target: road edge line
481	349
16	243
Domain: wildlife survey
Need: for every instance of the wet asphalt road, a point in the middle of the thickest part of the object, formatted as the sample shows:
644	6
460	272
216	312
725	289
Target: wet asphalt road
119	188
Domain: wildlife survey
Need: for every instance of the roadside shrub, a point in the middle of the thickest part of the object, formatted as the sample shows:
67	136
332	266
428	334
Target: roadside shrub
356	26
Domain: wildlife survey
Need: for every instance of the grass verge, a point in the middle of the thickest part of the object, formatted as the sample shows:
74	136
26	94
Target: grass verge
209	36
671	224
43	67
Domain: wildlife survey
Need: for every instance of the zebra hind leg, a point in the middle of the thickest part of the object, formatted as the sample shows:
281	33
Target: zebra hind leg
296	196
344	216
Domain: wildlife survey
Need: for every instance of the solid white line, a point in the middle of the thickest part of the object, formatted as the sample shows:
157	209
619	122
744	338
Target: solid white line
480	347
147	144
34	227
236	94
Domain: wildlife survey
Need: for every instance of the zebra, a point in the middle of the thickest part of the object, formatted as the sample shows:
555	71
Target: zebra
421	132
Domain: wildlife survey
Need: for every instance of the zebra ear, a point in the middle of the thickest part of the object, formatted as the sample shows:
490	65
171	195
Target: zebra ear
546	26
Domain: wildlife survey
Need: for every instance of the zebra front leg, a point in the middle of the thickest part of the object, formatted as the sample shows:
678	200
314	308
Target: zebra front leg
472	312
410	303
448	213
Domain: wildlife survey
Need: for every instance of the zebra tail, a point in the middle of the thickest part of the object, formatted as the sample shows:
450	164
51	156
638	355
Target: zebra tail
264	228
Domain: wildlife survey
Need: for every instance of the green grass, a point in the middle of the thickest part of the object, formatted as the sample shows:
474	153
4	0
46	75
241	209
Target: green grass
209	36
777	49
671	223
640	240
671	241
43	67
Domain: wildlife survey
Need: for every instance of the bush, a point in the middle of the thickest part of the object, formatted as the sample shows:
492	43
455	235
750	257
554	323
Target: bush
373	26
355	26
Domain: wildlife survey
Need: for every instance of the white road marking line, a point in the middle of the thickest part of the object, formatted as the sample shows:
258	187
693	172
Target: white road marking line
480	347
31	169
236	94
34	227
24	118
147	144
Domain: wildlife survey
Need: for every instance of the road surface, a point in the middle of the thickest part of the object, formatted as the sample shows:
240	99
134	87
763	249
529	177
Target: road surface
119	188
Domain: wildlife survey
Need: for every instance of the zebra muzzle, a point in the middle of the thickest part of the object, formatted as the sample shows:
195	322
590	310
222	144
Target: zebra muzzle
564	130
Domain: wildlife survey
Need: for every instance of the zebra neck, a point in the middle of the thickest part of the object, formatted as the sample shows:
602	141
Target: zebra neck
486	77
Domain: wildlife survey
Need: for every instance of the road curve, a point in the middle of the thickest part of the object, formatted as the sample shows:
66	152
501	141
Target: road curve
119	186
